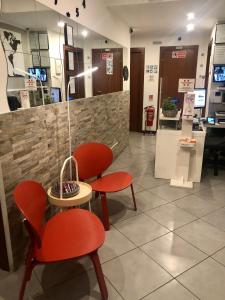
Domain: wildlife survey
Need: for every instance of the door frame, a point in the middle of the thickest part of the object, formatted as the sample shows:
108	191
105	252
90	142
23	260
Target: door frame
181	47
142	51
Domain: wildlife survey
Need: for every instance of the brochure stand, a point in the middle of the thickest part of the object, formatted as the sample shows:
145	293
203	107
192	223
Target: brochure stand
185	146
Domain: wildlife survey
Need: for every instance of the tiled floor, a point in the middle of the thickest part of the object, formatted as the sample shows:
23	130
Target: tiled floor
172	248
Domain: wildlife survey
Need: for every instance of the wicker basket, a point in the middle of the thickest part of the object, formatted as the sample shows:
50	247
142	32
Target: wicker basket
170	113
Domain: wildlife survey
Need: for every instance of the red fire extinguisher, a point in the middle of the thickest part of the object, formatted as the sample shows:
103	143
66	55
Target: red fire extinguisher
150	114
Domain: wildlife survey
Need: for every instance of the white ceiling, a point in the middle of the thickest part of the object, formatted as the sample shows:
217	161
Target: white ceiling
160	18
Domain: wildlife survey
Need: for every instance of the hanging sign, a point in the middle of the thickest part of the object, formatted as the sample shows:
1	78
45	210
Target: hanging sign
109	64
188	108
179	54
31	84
186	85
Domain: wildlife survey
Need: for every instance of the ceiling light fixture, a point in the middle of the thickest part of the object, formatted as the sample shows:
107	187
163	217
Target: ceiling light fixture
84	33
190	27
190	16
61	24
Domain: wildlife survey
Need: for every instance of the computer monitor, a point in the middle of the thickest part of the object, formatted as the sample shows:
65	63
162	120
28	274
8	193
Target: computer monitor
219	73
211	120
55	95
40	73
200	98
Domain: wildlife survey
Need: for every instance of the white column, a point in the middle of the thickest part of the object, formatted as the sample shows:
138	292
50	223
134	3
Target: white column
4	107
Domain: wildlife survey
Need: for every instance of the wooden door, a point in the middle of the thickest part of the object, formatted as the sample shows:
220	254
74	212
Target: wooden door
136	88
176	63
78	58
104	83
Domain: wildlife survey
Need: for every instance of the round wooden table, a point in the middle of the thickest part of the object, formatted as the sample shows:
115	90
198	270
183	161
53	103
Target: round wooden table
84	196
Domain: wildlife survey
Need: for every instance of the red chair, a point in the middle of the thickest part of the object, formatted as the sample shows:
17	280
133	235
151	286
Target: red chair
71	234
93	159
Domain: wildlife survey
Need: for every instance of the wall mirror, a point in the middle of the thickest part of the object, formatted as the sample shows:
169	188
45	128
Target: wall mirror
45	50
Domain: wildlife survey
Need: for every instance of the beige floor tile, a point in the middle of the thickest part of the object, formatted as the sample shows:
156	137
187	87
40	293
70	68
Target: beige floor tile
198	206
216	192
83	287
147	200
171	291
169	193
170	216
220	256
216	218
115	244
10	286
205	280
173	254
134	274
149	181
207	238
141	229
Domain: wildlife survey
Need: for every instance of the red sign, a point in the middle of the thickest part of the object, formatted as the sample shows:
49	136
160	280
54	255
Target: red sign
107	55
179	54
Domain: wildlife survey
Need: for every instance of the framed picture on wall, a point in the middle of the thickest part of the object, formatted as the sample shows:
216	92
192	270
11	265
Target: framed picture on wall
36	58
68	34
43	41
70	61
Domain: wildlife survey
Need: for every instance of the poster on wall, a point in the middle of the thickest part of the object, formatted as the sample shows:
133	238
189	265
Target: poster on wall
186	85
179	54
188	108
12	44
109	64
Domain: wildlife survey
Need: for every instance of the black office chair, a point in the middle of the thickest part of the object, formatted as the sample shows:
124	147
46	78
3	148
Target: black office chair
214	152
14	103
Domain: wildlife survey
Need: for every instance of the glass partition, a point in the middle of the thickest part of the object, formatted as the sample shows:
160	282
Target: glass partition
51	58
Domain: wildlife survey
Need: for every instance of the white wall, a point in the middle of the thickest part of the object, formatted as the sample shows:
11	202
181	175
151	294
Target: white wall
152	57
96	17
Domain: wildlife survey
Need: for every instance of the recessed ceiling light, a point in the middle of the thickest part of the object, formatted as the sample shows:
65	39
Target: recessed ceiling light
84	33
61	24
190	27
190	16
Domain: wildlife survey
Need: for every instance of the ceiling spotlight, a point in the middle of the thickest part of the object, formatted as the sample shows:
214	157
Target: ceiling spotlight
84	33
190	27
61	24
190	16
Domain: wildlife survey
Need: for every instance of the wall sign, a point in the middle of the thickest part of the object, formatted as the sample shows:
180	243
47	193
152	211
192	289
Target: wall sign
109	65
107	55
30	84
186	85
151	69
179	54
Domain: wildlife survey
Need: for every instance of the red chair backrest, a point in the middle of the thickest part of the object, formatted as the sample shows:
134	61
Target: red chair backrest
30	198
92	159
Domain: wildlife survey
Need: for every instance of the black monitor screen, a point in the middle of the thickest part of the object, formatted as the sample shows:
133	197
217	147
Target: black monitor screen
219	73
39	73
55	95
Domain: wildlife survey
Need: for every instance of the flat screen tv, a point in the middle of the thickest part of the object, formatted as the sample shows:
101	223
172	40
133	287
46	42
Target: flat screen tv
40	73
219	73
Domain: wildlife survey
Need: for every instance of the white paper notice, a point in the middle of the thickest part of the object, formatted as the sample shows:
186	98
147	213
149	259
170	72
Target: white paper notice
186	85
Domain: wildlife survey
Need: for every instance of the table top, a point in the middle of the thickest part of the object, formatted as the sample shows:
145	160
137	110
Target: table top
217	125
84	196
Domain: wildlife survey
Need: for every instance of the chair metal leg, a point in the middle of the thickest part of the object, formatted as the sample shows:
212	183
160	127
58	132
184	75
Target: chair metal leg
105	212
100	277
134	200
26	277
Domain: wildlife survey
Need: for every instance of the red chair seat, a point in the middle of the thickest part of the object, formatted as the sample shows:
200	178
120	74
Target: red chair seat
113	182
82	229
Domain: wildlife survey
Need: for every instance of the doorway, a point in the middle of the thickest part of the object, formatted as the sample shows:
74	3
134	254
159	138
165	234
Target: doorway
137	61
109	80
176	63
76	54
